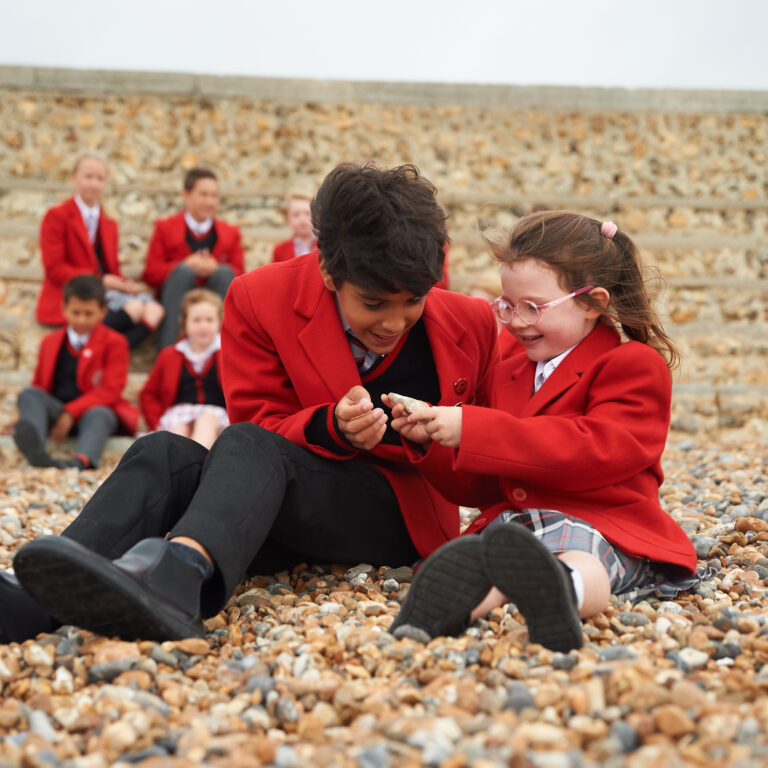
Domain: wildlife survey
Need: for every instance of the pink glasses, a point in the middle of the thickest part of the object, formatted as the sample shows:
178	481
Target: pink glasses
527	311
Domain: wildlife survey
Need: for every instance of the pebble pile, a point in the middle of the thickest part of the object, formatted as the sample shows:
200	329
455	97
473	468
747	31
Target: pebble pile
300	670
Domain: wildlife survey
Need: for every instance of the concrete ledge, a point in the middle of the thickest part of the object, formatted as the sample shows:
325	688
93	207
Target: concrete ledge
117	444
288	89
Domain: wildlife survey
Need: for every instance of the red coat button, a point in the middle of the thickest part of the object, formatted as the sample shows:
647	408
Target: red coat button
460	386
519	494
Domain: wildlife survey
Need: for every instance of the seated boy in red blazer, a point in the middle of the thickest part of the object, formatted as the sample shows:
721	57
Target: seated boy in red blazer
79	379
192	248
78	238
299	218
310	469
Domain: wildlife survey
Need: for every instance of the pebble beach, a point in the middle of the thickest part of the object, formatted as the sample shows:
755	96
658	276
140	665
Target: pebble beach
300	670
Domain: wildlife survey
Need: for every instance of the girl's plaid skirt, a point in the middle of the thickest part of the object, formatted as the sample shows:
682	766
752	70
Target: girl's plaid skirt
631	578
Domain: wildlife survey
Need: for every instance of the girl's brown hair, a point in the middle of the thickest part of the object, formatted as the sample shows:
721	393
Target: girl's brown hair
574	247
198	296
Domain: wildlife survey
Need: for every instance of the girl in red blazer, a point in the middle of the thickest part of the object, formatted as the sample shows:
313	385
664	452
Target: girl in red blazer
565	466
78	238
183	392
299	218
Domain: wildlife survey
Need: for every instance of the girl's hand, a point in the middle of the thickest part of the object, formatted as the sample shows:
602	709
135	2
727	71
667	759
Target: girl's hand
442	424
412	431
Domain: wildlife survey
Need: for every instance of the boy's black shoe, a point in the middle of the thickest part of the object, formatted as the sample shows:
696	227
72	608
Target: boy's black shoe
29	443
446	588
148	593
21	618
536	582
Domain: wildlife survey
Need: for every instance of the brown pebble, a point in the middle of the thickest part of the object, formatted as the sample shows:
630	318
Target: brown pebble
673	721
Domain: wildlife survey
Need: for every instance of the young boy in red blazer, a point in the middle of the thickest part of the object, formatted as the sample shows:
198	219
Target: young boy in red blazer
298	217
80	375
78	238
312	471
192	248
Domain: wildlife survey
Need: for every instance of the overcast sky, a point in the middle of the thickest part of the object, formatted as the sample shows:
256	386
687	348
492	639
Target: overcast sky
719	44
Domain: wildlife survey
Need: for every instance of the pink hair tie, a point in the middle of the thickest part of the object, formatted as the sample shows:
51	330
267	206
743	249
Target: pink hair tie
608	229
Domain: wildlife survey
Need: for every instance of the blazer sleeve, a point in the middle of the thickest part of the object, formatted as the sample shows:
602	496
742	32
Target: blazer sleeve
621	431
151	397
114	378
53	237
256	385
158	266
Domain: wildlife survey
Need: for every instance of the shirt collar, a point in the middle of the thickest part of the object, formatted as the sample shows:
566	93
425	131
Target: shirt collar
198	227
300	247
545	368
87	210
77	340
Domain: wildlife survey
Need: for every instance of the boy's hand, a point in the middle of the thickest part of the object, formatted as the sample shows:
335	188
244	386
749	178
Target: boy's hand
413	431
62	426
360	423
442	423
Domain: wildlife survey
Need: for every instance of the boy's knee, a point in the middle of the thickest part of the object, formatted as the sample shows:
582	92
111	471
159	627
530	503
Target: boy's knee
221	278
182	274
167	449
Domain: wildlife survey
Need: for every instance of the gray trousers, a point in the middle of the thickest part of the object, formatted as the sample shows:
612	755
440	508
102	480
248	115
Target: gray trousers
93	428
182	279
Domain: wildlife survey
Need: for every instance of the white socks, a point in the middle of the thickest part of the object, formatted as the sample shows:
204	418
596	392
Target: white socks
578	587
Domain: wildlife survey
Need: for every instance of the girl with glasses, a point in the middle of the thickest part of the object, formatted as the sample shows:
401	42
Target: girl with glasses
565	466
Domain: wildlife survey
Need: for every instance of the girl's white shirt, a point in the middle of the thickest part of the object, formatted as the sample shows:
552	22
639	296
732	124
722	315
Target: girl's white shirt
198	359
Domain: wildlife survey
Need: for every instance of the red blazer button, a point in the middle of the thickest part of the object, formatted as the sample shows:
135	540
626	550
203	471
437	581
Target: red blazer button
519	494
460	386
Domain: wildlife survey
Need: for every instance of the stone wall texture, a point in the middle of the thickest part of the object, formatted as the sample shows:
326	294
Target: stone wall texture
684	174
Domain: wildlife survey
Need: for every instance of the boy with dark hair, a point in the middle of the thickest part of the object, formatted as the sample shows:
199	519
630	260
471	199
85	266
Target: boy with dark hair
192	248
78	384
313	471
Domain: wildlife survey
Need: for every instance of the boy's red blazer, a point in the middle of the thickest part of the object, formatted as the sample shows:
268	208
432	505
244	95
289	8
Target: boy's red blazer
588	444
169	246
159	392
286	251
285	354
68	252
102	371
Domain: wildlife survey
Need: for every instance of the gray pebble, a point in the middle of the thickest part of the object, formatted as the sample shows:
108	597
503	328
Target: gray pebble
727	650
411	632
632	619
377	756
164	657
390	585
616	653
403	574
358	570
748	731
109	670
285	756
703	545
518	697
263	683
564	661
626	735
286	711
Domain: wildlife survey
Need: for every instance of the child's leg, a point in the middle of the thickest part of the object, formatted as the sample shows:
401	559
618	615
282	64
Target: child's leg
152	313
181	280
596	583
37	410
93	429
205	428
183	430
595	586
220	279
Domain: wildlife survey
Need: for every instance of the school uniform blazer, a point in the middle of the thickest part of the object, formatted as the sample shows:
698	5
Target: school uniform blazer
588	444
159	391
169	246
102	371
285	251
285	355
68	252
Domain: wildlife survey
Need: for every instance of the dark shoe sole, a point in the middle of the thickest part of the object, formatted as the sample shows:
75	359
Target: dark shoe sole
28	442
82	588
446	589
21	618
532	578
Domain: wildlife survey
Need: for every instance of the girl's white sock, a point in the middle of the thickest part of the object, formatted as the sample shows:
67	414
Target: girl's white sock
578	587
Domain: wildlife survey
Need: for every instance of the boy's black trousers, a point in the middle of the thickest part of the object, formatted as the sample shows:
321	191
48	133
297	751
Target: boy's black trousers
256	501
